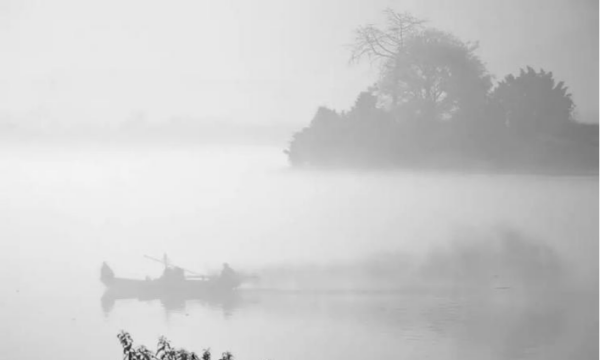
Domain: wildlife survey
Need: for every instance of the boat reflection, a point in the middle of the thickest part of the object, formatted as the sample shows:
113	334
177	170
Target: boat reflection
228	302
174	288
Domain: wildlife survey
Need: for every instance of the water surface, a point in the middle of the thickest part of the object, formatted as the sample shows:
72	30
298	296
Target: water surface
65	209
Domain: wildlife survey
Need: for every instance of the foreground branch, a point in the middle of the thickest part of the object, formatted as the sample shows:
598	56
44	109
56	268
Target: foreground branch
164	351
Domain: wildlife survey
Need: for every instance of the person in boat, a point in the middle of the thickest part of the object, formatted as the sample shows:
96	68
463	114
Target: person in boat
227	271
106	272
228	275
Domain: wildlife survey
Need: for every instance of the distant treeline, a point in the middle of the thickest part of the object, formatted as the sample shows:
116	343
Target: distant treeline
435	105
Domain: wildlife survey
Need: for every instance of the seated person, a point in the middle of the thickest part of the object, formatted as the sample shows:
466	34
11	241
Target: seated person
106	272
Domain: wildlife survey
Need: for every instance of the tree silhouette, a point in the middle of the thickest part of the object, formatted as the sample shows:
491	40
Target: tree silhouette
164	351
382	44
386	46
425	74
313	142
431	106
533	103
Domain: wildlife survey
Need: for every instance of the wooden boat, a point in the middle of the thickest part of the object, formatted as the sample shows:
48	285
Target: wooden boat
172	284
186	288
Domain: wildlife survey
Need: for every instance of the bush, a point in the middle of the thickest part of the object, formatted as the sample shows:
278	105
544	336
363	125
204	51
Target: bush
164	351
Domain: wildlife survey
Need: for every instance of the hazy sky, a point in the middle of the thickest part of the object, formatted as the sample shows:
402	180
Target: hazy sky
258	61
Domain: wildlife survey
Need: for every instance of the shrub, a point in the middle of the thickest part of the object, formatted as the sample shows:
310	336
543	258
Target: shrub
164	351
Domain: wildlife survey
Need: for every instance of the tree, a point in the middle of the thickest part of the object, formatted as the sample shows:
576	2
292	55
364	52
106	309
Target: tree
369	133
432	106
365	107
385	47
441	78
533	103
381	44
313	141
325	118
425	74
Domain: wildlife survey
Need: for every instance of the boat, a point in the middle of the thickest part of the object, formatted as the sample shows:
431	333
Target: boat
173	284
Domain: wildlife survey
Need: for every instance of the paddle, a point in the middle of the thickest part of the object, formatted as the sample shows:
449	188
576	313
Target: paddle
167	264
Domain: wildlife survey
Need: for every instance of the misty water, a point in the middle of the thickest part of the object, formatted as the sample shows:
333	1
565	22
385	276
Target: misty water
335	250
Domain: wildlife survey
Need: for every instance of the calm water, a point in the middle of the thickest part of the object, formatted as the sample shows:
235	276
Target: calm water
64	210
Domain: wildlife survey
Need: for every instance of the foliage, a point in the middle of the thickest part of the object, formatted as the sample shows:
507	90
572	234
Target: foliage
533	102
434	105
437	78
164	351
425	73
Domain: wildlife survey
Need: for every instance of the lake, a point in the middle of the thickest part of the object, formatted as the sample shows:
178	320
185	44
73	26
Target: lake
64	209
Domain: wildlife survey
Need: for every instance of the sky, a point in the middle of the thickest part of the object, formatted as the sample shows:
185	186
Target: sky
263	61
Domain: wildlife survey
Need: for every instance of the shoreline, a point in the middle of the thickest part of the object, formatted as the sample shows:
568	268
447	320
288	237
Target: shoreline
128	143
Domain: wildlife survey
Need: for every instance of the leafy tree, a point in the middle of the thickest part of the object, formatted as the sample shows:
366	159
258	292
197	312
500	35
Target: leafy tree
312	142
440	79
369	132
365	107
533	103
325	118
432	106
425	74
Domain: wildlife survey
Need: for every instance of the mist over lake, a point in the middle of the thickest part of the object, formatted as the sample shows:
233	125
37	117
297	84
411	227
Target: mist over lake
293	180
65	209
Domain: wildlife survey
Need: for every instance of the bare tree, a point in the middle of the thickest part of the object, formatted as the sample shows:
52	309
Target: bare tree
424	73
384	46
